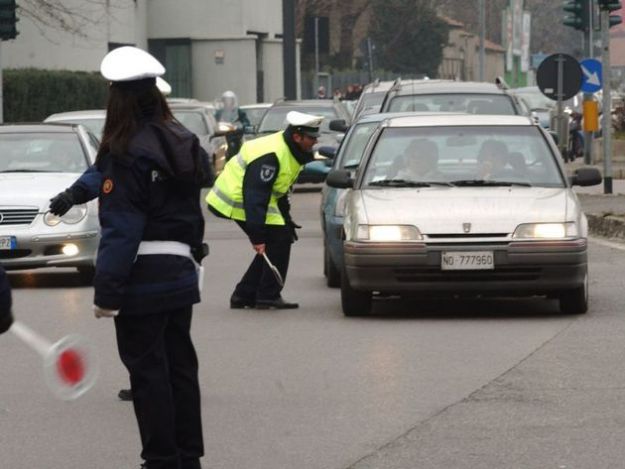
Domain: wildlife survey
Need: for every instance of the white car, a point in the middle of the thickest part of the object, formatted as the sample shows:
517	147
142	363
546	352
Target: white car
37	161
467	205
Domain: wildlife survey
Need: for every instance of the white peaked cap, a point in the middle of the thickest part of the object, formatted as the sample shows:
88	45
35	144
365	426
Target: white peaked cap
163	86
300	119
130	63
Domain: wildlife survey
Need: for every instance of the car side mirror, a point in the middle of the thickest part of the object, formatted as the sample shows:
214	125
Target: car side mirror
327	151
338	125
340	179
586	177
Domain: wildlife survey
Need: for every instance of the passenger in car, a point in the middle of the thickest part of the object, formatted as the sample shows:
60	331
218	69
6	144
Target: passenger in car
419	161
492	159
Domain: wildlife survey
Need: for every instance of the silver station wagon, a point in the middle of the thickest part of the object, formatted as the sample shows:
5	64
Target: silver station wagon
463	205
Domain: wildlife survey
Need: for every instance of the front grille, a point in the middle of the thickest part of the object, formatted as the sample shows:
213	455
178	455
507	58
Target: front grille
17	216
467	235
501	274
14	253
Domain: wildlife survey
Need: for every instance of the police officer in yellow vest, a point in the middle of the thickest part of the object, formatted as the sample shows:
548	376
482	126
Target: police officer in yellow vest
253	191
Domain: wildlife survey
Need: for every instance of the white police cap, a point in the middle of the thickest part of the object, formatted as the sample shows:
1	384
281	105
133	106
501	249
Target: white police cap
305	123
163	86
130	63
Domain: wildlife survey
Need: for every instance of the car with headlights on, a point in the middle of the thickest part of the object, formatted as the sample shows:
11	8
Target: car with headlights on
37	161
348	157
463	205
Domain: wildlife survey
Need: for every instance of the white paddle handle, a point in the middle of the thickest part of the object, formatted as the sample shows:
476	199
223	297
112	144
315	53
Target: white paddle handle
31	338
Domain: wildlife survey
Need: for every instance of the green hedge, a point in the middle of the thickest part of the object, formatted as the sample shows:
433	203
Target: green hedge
30	95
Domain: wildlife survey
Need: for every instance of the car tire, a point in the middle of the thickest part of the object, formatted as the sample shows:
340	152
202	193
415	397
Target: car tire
354	302
86	274
575	301
330	270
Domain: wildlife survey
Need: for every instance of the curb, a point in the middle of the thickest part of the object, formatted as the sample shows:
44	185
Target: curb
606	225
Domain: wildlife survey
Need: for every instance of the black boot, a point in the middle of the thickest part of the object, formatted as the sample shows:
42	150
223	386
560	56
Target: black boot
237	302
278	303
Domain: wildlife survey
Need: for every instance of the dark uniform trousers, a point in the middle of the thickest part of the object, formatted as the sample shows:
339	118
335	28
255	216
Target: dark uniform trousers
160	357
258	283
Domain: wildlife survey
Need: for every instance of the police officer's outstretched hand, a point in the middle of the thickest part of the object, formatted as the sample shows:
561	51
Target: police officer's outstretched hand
61	203
6	320
293	227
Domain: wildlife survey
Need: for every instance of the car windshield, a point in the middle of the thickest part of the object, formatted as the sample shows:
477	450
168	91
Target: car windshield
192	120
463	156
497	104
41	152
353	149
255	115
275	118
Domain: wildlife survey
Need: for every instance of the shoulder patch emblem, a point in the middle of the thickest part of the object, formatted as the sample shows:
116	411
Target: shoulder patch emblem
107	186
267	172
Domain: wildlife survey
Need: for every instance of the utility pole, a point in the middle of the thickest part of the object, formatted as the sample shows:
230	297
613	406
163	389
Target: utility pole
482	9
607	102
288	49
316	80
370	58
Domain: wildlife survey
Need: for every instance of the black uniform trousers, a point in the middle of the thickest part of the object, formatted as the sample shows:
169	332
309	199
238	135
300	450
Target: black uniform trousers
160	357
258	283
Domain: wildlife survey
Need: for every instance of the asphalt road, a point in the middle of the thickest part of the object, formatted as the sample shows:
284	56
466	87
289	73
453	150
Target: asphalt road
452	384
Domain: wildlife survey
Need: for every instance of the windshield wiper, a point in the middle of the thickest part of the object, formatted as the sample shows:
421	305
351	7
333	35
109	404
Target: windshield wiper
26	171
488	183
398	183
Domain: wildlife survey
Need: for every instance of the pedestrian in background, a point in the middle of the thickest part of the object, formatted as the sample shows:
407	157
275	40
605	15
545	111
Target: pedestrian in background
147	271
321	92
253	191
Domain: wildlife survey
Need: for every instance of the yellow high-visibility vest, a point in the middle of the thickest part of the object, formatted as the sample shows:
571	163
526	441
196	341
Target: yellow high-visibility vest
226	196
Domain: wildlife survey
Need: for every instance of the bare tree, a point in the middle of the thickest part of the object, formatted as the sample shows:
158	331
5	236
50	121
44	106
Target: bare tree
74	17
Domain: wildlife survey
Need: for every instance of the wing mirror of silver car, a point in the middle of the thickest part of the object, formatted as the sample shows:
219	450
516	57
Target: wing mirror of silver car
340	179
338	125
586	177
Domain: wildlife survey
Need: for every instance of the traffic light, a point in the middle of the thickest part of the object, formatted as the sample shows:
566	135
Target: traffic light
8	20
612	5
579	17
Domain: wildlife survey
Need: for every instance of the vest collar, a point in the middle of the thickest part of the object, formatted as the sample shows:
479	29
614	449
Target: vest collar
302	157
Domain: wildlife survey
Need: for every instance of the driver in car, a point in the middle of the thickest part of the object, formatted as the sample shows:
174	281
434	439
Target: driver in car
420	161
492	160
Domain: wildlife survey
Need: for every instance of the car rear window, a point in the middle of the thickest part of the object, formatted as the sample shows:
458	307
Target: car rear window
518	154
275	118
485	104
192	121
41	152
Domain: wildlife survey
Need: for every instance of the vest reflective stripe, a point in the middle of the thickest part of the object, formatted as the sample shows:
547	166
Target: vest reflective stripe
234	204
227	194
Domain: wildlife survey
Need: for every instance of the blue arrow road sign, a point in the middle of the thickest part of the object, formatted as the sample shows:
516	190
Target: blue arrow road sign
592	79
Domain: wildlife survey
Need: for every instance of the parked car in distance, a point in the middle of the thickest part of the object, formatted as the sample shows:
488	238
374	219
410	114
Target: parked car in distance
92	119
463	205
37	162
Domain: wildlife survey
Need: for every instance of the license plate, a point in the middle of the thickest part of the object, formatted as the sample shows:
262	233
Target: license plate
7	243
468	260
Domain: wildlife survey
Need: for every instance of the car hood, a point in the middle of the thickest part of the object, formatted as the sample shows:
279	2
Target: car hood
33	189
445	210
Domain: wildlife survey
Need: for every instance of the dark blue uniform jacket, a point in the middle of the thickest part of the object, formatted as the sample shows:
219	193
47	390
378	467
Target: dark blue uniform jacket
150	193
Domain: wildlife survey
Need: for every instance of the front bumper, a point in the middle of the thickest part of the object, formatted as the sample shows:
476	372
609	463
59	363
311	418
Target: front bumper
521	268
44	250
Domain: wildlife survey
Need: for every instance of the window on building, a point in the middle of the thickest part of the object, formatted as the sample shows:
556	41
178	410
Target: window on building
175	55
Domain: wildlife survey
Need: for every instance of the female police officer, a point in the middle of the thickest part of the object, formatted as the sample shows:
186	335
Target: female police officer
146	276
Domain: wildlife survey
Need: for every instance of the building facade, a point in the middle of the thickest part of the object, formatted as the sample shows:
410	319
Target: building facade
207	46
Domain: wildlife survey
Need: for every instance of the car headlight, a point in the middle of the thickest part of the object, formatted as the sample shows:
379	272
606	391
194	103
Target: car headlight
388	233
73	216
546	230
